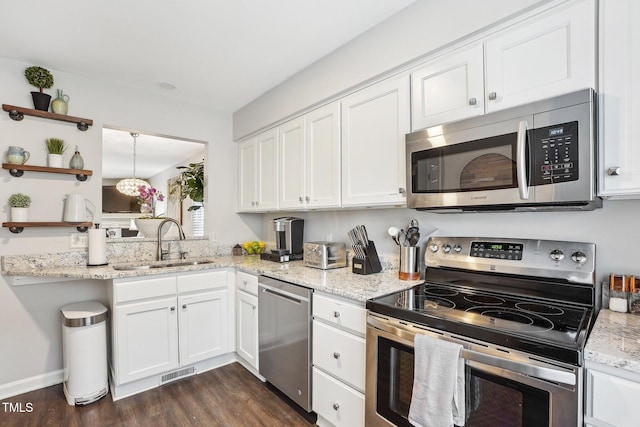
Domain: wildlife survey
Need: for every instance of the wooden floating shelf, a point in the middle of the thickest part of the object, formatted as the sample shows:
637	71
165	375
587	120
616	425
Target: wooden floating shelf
18	113
18	170
17	227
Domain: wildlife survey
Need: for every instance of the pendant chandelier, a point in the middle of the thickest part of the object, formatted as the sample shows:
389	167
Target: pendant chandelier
129	186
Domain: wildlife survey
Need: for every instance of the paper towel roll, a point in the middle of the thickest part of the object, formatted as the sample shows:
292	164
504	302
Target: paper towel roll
97	246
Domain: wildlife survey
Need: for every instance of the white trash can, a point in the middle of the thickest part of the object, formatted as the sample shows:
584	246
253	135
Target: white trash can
84	352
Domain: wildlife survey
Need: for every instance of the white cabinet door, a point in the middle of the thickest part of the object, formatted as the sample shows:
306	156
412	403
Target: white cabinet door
291	170
267	183
550	55
247	175
448	88
323	174
375	121
619	99
611	400
204	328
247	327
146	339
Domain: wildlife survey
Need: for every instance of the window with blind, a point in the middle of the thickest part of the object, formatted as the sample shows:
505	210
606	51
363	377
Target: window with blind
197	220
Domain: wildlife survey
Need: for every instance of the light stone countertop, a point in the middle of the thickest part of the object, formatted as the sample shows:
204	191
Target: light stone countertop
615	341
340	281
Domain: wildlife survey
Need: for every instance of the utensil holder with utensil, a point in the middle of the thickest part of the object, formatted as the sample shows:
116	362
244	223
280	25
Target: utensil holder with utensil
366	260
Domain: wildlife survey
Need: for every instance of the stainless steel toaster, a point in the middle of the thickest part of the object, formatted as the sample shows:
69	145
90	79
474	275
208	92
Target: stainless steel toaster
325	255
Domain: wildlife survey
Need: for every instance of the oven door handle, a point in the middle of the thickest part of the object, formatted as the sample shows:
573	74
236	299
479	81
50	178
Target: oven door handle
521	160
549	374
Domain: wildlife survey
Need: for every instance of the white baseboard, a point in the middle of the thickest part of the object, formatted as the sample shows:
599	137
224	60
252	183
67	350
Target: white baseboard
29	384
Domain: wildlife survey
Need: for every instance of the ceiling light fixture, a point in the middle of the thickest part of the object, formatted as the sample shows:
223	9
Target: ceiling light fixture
129	186
166	85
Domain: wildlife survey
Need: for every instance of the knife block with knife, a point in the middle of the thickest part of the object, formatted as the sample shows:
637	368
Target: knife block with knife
365	260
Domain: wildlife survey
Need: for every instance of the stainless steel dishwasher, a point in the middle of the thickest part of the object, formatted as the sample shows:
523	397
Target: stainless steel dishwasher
284	338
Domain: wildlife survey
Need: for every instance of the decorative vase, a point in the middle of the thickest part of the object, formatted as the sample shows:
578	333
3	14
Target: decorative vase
41	100
76	162
17	155
19	214
60	105
149	227
54	160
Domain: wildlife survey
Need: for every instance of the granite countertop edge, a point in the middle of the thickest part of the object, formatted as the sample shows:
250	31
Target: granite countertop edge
340	281
615	341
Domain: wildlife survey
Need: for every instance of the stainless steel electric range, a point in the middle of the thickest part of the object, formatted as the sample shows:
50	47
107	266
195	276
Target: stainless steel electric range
522	310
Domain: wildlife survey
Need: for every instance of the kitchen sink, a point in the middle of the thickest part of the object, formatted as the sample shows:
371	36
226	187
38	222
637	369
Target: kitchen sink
147	266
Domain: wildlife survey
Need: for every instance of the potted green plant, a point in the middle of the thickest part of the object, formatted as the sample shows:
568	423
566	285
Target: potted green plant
19	204
42	79
190	183
56	147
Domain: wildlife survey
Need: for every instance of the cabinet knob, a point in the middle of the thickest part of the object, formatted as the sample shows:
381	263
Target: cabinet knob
184	306
308	199
300	199
253	203
336	355
257	203
493	96
401	190
173	308
614	171
336	314
473	101
336	406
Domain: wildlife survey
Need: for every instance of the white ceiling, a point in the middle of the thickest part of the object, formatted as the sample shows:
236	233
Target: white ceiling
222	52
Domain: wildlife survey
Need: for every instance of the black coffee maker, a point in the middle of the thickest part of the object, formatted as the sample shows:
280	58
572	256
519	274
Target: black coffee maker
289	233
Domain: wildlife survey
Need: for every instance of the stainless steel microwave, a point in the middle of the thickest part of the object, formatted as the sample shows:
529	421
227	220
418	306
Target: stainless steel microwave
539	156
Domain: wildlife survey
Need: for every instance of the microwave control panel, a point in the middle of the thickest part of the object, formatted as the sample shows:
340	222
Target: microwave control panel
555	154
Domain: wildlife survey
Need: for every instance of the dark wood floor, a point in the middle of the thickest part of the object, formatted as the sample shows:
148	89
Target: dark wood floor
228	396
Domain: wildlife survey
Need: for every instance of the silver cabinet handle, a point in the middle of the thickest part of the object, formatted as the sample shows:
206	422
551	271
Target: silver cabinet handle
336	406
614	171
336	355
473	101
493	96
336	314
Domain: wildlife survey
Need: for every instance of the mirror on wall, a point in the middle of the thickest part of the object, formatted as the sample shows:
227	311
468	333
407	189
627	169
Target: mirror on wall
156	160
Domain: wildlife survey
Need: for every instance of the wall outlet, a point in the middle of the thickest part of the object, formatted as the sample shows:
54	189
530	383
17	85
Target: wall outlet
328	237
78	240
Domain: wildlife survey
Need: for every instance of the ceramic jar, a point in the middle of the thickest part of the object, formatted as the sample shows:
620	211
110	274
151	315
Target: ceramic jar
60	105
17	155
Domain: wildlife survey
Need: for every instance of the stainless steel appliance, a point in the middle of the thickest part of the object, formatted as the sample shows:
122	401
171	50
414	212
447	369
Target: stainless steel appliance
325	255
289	234
540	156
521	309
284	338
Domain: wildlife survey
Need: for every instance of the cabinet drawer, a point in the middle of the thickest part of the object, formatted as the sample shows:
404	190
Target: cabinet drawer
202	281
145	288
611	399
339	353
247	282
336	402
340	313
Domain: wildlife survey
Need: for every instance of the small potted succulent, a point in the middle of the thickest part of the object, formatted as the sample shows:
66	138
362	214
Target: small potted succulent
19	204
56	147
42	79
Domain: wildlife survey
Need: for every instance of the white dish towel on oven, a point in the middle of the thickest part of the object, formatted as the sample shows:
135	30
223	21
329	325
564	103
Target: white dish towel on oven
438	384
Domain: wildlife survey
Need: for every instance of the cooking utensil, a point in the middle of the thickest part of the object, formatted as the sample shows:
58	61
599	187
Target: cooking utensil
394	232
414	238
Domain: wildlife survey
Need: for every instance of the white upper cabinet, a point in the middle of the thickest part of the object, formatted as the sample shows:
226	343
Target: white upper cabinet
309	149
619	99
543	57
258	173
448	88
375	121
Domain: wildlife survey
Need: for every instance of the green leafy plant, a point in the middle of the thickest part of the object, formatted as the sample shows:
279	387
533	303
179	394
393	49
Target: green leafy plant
190	183
55	145
39	77
19	200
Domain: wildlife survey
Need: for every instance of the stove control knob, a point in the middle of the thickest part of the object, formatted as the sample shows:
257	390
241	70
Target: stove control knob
434	247
556	255
457	249
579	257
446	248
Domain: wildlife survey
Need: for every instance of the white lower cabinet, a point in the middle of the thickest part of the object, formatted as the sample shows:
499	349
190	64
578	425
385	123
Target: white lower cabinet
167	327
339	328
611	396
247	318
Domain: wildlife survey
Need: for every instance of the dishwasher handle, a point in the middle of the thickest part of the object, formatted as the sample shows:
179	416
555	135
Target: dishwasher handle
284	295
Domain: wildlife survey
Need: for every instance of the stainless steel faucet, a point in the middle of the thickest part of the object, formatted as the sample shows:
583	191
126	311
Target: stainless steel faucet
161	255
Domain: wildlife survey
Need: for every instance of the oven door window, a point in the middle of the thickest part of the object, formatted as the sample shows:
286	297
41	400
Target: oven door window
483	164
490	400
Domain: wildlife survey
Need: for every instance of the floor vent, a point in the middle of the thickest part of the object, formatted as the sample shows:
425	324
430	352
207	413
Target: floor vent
171	376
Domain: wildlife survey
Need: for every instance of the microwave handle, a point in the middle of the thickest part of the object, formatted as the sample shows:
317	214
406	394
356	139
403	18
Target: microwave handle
521	160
